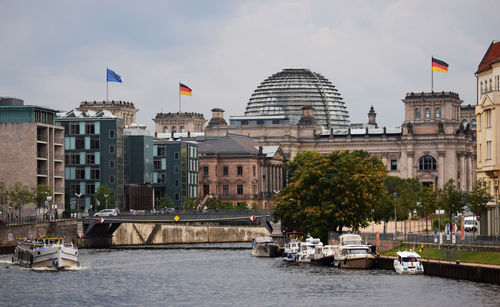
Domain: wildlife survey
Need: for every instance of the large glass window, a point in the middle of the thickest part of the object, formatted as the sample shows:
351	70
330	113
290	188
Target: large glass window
427	163
225	171
427	113
394	165
239	189
225	189
240	170
473	123
438	112
417	113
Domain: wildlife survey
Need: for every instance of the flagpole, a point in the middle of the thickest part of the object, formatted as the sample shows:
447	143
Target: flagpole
432	76
106	84
179	90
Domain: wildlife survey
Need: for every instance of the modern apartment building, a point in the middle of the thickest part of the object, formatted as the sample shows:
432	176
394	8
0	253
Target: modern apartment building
32	150
175	172
488	132
93	144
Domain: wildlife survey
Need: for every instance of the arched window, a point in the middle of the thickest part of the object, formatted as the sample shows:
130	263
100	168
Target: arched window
174	129
417	112
427	113
182	129
438	112
473	123
165	129
464	122
427	163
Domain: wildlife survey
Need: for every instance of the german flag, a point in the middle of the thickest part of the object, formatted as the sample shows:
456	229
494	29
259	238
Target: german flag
438	65
185	90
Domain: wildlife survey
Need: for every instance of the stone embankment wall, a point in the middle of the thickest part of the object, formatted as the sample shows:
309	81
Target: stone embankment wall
139	234
65	229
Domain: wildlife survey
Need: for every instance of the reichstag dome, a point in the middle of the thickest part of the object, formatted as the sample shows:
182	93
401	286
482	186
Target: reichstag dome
286	92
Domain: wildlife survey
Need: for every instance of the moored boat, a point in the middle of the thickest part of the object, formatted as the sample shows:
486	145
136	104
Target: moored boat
264	247
324	255
47	253
308	249
408	263
351	253
292	246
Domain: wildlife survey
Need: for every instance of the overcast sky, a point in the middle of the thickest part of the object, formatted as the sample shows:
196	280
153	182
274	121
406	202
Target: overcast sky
55	53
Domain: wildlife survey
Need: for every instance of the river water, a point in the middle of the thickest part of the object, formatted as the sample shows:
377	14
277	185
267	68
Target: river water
215	277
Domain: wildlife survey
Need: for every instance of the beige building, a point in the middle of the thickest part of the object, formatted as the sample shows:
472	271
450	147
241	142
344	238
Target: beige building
488	131
32	150
120	109
432	145
185	122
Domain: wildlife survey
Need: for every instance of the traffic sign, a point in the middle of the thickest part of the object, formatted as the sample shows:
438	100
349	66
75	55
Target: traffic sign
252	218
101	220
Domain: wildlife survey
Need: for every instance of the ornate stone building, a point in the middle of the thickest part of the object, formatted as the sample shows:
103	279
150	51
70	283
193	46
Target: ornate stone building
433	145
120	109
179	122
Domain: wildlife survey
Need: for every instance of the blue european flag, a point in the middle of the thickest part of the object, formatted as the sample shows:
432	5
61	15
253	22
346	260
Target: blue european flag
113	77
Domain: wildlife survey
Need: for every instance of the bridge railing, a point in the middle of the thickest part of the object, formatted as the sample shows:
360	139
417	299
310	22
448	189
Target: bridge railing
231	212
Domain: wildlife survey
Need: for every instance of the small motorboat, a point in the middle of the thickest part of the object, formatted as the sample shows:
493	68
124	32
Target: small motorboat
292	246
351	253
47	253
264	247
324	255
408	263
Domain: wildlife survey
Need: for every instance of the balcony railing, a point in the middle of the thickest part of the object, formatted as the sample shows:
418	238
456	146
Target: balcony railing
59	173
42	171
41	154
41	137
59	157
259	196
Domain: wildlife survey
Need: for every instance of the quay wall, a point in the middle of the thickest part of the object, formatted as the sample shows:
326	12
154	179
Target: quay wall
146	234
471	272
66	229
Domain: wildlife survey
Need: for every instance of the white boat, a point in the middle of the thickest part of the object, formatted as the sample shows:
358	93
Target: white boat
47	253
408	263
264	247
324	255
292	246
351	253
308	249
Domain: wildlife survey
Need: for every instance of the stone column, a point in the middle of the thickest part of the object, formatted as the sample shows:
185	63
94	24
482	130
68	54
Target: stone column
441	166
409	154
463	176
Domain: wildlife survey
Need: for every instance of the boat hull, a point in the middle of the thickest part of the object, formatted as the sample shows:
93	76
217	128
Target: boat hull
266	251
356	263
324	261
46	257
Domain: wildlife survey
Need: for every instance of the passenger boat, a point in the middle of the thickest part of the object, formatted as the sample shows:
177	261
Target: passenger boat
50	253
292	246
351	253
264	247
408	263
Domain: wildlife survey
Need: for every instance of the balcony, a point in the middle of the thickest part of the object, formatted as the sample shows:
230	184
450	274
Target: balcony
59	157
260	196
42	171
41	138
41	154
59	173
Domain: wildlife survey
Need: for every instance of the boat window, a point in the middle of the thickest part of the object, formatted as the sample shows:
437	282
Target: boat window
358	251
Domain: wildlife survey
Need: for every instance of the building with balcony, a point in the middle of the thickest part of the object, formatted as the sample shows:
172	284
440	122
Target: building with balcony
235	168
93	146
32	150
488	133
175	170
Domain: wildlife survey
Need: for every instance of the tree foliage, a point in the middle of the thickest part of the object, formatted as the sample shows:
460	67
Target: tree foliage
213	203
478	197
427	203
20	194
404	194
165	202
450	199
189	204
329	192
100	196
41	192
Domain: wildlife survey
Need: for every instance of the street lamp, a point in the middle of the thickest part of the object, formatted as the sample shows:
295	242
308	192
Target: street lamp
78	195
49	199
106	196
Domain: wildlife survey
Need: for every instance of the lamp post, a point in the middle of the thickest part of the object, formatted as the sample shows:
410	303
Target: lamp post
106	196
49	199
78	202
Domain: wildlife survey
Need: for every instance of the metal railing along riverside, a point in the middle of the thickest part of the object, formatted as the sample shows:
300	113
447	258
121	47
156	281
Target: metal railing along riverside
24	220
470	239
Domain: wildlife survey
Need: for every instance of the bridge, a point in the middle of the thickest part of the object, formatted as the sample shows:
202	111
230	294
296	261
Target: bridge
98	232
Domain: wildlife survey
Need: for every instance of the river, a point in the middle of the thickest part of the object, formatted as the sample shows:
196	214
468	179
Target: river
215	277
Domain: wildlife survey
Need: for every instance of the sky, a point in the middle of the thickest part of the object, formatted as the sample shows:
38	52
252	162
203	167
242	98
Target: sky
55	53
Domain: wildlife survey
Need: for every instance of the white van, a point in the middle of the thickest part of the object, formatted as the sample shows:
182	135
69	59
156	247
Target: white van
470	224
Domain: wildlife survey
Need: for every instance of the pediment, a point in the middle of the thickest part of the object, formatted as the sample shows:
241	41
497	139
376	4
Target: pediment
486	102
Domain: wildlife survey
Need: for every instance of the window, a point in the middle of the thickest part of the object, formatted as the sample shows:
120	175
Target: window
74	189
111	134
90	188
111	179
488	150
205	171
165	129
161	150
481	87
111	163
94	142
254	170
176	169
464	122
89	128
417	112
79	174
427	113
94	174
438	112
176	155
157	164
488	118
182	129
473	123
90	158
75	129
111	148
239	189
162	178
176	196
225	171
427	163
394	165
240	170
174	129
490	85
176	182
80	143
225	189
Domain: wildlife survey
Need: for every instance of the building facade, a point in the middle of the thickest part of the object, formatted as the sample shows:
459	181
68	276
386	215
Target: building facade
488	133
93	143
235	168
432	145
121	109
179	122
175	170
32	150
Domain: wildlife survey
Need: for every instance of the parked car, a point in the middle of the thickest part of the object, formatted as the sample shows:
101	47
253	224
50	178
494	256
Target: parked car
165	211
107	212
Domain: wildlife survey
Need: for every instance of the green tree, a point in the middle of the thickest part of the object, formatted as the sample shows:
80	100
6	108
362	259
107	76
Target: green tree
189	204
104	192
329	192
213	203
241	205
384	209
4	198
41	192
165	202
20	194
427	203
226	205
254	206
450	199
479	197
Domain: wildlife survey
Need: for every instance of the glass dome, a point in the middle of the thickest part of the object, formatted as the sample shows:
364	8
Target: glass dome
286	92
